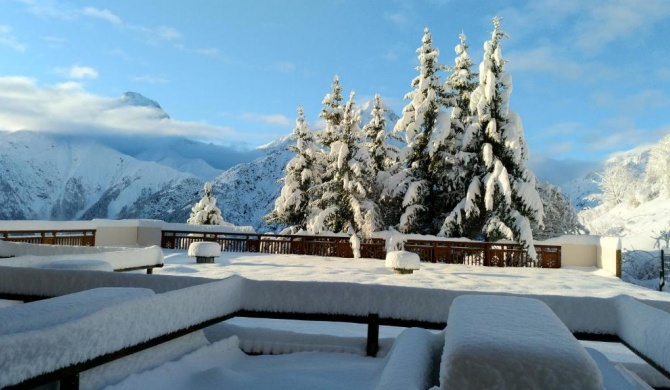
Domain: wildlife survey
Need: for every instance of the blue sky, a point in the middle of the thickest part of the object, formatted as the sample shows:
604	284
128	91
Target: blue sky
590	77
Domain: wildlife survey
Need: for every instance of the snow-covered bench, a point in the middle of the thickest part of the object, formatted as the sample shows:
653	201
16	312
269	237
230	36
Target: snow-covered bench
15	254
512	342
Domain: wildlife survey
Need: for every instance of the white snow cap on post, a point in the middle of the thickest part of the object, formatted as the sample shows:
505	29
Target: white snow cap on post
402	260
204	249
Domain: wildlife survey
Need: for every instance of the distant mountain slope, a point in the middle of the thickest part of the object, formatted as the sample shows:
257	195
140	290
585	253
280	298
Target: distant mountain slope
54	177
246	192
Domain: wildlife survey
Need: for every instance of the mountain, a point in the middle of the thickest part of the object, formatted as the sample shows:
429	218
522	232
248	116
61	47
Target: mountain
641	210
246	192
47	176
65	177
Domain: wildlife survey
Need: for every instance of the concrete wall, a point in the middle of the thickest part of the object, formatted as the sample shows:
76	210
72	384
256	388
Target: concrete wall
116	236
609	255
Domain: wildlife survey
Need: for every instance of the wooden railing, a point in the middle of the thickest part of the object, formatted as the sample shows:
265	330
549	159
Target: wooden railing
489	254
450	252
84	237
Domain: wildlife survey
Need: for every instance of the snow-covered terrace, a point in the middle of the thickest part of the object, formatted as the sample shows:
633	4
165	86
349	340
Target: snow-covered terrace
586	300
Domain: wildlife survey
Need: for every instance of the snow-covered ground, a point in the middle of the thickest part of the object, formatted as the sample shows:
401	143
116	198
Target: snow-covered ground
330	355
223	363
576	282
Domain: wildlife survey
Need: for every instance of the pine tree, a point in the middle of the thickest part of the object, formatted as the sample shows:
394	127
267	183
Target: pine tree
384	163
302	173
344	204
205	211
502	198
455	159
426	128
333	113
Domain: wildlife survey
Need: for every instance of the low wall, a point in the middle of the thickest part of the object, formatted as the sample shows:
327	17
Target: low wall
589	251
609	255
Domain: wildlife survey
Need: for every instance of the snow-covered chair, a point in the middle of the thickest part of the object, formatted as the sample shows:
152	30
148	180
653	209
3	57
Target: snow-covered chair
513	343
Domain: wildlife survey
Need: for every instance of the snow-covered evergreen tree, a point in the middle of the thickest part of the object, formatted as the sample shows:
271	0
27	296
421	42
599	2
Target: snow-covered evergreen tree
302	173
344	203
427	132
385	163
333	113
205	211
560	217
502	198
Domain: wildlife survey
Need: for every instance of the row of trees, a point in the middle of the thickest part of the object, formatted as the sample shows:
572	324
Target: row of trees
454	164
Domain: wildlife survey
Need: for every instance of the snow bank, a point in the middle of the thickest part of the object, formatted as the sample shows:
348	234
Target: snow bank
409	364
645	328
50	282
204	249
118	370
119	258
402	260
616	377
512	342
226	228
83	265
109	328
256	340
50	312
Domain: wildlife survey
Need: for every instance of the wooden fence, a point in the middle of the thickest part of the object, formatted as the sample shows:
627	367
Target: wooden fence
450	252
85	237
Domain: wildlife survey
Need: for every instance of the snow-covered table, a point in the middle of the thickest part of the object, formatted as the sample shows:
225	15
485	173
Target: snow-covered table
510	342
204	251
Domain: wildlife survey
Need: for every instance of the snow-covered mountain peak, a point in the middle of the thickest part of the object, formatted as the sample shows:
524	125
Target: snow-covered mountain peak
138	100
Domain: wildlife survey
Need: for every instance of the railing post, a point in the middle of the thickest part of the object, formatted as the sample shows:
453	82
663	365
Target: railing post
373	335
70	382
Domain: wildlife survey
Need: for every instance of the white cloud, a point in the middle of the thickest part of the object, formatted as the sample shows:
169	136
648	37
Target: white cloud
8	39
544	59
273	119
283	67
68	108
209	52
150	79
82	72
103	14
613	20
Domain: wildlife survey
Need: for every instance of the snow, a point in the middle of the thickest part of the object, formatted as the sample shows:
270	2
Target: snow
28	255
529	347
581	299
204	249
402	260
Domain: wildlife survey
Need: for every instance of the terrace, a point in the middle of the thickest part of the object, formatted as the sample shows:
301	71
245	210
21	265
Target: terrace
588	300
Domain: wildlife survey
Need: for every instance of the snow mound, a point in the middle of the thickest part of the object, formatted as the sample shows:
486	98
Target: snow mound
402	260
515	343
204	249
